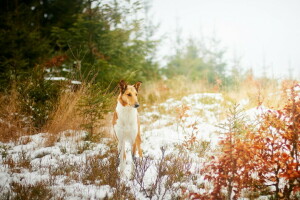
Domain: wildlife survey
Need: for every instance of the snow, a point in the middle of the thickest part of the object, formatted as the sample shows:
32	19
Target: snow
66	70
162	132
76	82
56	78
53	78
80	191
253	113
43	159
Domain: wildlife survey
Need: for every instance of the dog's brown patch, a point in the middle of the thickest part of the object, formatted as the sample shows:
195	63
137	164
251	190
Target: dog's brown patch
115	118
120	99
114	122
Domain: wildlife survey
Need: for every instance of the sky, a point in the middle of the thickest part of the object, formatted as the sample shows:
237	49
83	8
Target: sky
259	32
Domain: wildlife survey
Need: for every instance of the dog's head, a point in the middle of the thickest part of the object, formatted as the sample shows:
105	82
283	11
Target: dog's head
129	94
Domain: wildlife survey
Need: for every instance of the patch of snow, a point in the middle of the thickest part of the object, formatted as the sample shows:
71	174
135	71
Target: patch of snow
80	191
66	70
53	78
56	78
76	82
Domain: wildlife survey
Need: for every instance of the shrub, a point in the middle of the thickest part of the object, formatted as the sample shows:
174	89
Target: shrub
92	106
38	97
262	160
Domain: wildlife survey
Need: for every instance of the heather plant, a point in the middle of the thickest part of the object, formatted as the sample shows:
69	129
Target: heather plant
170	171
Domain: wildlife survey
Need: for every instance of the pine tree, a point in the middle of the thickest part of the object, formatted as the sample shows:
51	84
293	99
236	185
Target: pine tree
108	43
25	34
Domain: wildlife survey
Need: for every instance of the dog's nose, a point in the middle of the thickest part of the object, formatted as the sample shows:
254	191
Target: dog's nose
136	105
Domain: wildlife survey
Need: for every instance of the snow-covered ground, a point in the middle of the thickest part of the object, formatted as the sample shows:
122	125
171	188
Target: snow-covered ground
38	162
169	131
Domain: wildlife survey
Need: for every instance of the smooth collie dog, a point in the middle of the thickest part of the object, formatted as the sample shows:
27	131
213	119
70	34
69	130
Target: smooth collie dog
126	124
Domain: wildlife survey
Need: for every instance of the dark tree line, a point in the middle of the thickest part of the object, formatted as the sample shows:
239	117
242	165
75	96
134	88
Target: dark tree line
105	38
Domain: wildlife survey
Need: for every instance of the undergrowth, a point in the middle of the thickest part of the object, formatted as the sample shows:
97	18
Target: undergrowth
171	171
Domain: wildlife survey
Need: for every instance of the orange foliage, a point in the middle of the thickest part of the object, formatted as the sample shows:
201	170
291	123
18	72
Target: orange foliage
56	61
266	159
190	136
217	85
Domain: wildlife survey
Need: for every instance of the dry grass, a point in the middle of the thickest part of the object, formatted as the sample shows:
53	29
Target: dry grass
66	116
12	123
39	190
257	91
159	91
170	169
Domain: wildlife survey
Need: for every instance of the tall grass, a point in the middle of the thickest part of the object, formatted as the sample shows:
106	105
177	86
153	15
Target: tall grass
177	87
12	123
66	116
72	111
256	91
84	109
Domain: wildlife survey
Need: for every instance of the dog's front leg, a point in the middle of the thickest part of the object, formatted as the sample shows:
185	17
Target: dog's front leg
122	156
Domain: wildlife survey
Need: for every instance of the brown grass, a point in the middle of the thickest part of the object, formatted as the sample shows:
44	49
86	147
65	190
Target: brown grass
170	169
257	91
39	190
66	116
159	91
12	123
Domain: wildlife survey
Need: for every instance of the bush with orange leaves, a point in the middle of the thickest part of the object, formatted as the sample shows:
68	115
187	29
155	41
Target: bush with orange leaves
230	170
258	161
276	144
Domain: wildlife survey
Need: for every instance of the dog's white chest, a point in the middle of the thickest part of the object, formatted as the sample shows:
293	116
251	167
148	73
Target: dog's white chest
126	126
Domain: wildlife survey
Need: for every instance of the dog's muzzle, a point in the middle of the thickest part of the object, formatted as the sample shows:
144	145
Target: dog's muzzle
136	105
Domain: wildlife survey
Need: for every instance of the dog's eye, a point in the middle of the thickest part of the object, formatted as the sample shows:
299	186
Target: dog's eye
129	95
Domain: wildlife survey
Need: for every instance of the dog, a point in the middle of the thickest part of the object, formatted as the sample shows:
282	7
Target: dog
126	124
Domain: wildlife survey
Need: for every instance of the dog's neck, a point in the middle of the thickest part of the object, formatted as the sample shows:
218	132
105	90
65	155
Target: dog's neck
126	114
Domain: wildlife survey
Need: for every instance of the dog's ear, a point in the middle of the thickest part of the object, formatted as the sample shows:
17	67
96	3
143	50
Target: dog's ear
122	86
137	85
